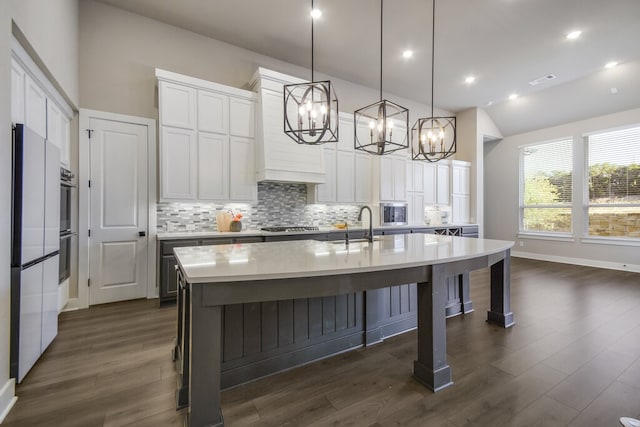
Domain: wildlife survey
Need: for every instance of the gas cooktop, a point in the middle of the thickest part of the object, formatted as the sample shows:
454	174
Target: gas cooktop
290	228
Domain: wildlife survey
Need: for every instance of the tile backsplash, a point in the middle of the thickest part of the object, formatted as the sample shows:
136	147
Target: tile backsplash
278	204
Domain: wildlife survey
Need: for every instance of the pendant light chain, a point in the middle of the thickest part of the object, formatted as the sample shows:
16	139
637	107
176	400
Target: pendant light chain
312	19
381	27
433	44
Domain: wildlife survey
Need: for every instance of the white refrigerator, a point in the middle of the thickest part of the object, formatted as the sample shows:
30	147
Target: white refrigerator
35	243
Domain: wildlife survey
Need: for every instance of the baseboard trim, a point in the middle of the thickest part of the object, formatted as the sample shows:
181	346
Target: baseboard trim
8	398
578	261
72	305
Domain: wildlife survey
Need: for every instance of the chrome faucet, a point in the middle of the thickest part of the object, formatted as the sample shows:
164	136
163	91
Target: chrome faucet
370	221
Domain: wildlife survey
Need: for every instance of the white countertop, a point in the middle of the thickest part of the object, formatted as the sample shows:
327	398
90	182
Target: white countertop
308	258
174	235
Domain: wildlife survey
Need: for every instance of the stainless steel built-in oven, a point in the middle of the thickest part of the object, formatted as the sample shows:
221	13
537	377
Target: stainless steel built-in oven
66	235
394	214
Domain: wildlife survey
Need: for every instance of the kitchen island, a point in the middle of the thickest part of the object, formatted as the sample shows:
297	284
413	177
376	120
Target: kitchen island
215	276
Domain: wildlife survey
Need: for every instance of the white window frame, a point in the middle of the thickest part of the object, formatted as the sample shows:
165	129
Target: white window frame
546	235
586	237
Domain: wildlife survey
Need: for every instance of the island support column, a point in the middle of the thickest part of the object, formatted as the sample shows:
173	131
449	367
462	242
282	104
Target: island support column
205	345
431	368
500	311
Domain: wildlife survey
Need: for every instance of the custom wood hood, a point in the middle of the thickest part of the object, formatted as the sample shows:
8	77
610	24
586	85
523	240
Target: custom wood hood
278	157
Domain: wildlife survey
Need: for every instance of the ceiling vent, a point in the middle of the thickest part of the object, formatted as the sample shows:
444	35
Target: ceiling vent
542	79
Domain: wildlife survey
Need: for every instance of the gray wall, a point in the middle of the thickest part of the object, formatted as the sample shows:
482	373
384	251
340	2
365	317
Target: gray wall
501	195
119	53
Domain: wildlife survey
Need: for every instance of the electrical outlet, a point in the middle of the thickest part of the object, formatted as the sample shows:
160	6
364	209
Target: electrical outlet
521	243
191	227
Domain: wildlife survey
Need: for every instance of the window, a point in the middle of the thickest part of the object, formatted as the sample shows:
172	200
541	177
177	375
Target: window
613	182
546	187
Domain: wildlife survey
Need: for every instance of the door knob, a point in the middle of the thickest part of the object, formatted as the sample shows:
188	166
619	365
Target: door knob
142	233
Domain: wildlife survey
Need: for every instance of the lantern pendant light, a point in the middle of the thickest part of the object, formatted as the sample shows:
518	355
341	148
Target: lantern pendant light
383	127
433	138
311	108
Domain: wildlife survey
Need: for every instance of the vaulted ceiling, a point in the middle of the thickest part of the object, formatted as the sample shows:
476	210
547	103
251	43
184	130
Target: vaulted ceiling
504	44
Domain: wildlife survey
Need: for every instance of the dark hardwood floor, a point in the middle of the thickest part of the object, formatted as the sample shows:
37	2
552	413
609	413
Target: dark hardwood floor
573	359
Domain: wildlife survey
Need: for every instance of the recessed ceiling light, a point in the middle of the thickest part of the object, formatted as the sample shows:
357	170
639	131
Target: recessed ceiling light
469	79
513	96
574	34
407	54
610	64
489	104
316	13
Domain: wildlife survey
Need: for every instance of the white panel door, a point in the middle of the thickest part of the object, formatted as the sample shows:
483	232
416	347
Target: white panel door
35	107
30	318
242	117
49	301
177	105
52	199
345	185
242	172
17	92
118	211
430	184
33	196
363	178
178	154
213	112
213	166
326	193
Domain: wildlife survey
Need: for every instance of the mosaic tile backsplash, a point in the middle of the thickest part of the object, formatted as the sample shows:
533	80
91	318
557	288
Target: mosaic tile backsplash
278	204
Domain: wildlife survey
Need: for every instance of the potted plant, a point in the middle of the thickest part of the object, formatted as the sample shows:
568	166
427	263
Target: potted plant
236	224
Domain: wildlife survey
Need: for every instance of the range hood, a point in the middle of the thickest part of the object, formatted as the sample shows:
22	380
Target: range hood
278	157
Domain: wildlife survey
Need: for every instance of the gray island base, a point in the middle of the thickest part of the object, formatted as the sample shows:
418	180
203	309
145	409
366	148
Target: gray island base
214	276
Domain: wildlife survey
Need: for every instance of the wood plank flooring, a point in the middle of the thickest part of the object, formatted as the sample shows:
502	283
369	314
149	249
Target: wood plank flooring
573	359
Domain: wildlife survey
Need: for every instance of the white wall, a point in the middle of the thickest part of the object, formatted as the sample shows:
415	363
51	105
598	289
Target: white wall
51	28
501	196
6	386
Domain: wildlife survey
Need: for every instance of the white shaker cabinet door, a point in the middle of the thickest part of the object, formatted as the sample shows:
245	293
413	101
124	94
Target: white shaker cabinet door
399	179
430	184
242	121
345	187
177	106
35	107
363	178
65	148
326	192
443	184
49	301
213	112
386	179
17	92
54	124
213	166
416	209
178	177
242	170
461	209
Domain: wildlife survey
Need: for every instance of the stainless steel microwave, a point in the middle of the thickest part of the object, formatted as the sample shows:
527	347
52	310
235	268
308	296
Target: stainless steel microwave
394	214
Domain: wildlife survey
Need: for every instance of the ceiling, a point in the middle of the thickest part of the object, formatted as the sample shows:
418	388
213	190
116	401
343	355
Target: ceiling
503	43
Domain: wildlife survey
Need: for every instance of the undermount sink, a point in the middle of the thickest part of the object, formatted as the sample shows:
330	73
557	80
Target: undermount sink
342	242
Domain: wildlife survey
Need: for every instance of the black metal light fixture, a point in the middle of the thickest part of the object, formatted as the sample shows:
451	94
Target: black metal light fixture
433	138
311	108
382	127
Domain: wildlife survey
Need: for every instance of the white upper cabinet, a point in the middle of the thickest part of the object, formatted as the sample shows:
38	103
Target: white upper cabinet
65	149
177	156
35	107
177	105
460	191
213	112
17	92
430	183
345	182
242	118
213	166
362	179
54	125
443	189
391	178
218	165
